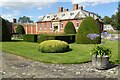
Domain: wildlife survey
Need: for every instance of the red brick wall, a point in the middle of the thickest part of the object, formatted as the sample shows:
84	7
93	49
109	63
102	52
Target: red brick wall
43	27
73	21
48	29
28	28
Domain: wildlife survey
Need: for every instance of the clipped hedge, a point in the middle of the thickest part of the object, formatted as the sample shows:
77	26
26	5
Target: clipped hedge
70	28
30	37
88	26
5	30
20	29
69	38
53	46
43	37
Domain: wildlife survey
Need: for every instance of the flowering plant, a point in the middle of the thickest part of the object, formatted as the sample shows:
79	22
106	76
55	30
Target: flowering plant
93	36
104	35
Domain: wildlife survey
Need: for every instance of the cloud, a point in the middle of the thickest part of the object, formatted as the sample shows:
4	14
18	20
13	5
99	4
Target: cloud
96	1
21	4
92	2
39	8
10	16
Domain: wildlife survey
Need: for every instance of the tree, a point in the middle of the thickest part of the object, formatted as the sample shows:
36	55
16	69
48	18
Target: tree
116	19
24	19
98	16
5	35
107	20
69	28
20	29
88	26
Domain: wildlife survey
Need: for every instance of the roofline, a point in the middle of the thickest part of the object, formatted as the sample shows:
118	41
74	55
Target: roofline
62	20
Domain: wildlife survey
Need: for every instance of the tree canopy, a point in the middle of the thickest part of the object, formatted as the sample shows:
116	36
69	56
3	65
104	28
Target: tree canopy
25	19
107	20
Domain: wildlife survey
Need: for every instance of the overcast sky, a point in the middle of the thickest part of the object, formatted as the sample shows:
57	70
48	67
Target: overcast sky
34	9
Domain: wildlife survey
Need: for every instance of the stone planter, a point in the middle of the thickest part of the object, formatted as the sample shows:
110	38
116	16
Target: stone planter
100	62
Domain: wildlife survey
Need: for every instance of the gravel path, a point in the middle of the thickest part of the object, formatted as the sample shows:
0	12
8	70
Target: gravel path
18	67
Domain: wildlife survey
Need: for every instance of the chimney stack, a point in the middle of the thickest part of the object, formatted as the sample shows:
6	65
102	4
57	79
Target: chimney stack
75	7
81	7
60	9
65	10
14	20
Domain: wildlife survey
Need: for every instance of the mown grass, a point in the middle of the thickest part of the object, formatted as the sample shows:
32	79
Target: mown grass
79	53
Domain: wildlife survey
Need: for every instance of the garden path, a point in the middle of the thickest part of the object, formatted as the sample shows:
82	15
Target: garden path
18	67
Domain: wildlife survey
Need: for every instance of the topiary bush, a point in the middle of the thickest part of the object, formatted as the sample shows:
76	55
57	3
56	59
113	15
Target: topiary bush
44	37
53	46
20	29
88	26
5	31
30	37
69	38
69	28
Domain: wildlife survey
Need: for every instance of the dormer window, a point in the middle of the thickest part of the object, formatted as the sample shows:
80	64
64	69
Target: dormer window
71	14
63	15
48	16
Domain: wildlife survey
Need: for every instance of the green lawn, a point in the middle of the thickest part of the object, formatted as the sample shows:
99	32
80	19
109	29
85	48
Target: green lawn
80	53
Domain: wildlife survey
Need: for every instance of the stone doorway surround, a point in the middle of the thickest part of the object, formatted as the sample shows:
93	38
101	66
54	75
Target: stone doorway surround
56	26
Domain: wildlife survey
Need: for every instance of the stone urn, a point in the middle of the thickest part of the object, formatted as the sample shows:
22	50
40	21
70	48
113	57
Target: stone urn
100	62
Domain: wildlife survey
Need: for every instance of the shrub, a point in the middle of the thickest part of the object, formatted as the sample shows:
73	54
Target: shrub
69	38
5	33
44	37
53	46
69	28
30	37
20	29
88	26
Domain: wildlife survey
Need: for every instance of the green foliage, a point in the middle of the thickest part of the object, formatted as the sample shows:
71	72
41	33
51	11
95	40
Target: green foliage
101	51
107	20
20	29
88	26
118	20
69	28
53	46
25	19
44	37
69	38
29	50
5	35
30	37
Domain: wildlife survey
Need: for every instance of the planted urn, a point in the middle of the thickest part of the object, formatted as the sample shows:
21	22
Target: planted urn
100	57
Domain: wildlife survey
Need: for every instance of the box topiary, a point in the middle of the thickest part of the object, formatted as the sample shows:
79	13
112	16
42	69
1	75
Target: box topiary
88	26
44	37
4	31
20	29
69	38
30	37
69	28
53	46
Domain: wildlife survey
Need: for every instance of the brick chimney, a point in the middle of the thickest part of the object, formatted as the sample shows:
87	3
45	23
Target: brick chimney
14	20
60	9
65	10
75	7
81	7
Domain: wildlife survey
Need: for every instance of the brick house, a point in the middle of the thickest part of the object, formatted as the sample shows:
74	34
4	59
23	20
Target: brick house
56	22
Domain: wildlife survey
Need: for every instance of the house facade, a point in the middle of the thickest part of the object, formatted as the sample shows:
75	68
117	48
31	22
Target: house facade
56	22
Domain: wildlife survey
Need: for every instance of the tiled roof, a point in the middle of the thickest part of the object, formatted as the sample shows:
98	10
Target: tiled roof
69	15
